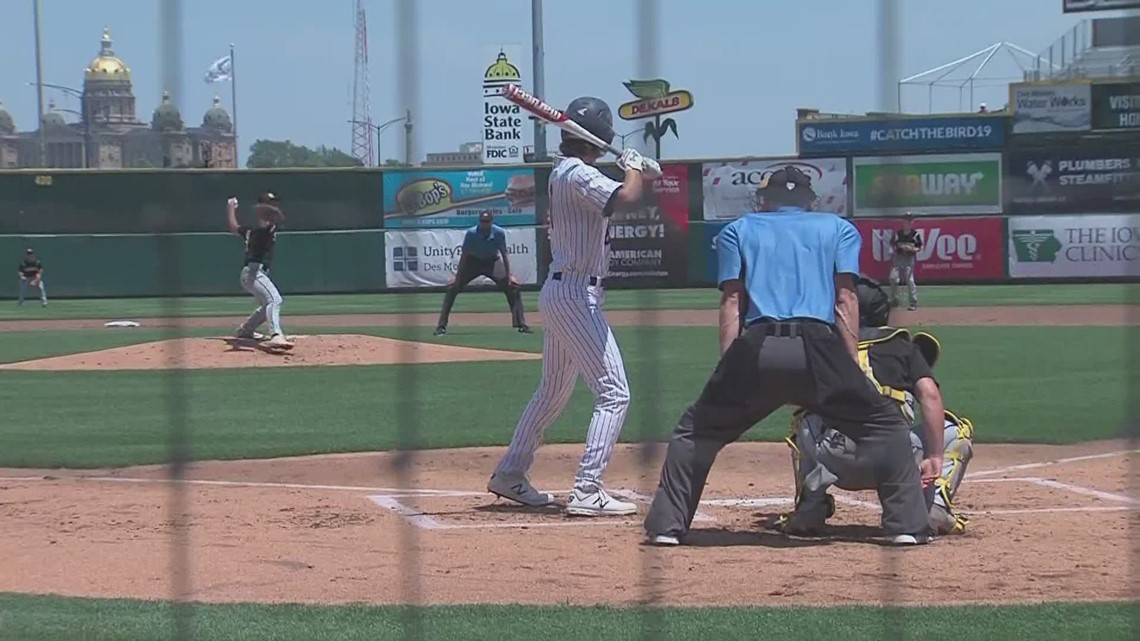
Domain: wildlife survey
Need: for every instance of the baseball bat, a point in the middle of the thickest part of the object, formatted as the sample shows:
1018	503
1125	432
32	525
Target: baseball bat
555	117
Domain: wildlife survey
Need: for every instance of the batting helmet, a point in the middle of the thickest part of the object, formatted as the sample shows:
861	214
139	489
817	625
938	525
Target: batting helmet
594	115
874	304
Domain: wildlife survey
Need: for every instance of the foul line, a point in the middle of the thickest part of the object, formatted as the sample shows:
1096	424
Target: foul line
1030	466
390	491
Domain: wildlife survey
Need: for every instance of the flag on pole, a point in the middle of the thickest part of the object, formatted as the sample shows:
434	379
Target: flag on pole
221	70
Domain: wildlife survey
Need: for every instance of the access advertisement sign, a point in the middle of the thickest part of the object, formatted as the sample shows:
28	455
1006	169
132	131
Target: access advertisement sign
1116	105
953	249
904	134
1072	181
930	185
730	186
1088	246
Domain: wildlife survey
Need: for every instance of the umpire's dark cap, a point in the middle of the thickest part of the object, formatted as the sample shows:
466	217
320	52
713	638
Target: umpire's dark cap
486	217
788	180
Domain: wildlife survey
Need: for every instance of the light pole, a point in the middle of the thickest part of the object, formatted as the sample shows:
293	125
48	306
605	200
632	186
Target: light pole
84	117
380	129
628	134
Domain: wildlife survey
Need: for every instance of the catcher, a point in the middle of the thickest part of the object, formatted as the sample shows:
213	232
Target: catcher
899	364
905	244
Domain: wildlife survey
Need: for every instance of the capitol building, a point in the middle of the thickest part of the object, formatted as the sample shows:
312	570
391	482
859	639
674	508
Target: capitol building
109	133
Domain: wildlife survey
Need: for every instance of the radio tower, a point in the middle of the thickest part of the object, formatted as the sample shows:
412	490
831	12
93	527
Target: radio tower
362	130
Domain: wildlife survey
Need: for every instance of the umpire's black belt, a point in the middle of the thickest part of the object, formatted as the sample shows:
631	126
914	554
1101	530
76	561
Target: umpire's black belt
593	280
790	328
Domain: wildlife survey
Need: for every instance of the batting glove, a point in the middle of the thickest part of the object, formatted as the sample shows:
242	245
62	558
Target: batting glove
652	169
631	160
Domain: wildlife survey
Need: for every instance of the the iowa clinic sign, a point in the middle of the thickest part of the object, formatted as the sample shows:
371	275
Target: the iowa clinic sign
502	120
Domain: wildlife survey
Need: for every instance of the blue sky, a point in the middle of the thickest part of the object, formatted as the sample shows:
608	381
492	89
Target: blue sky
748	63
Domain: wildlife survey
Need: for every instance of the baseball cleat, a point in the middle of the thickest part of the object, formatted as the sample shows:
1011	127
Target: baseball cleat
525	330
663	540
518	489
911	539
279	341
440	331
598	503
250	336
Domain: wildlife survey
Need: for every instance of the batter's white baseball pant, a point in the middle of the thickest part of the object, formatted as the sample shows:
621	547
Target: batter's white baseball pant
577	341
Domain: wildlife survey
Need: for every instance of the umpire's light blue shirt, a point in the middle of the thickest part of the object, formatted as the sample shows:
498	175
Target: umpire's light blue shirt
485	246
788	260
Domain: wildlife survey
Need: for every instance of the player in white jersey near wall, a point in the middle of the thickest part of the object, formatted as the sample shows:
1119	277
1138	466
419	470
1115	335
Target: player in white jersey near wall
577	339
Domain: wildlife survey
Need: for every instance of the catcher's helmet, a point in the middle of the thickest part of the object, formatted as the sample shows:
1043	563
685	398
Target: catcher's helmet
874	304
594	115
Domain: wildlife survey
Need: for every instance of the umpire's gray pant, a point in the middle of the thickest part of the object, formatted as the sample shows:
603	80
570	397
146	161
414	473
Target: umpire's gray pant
256	281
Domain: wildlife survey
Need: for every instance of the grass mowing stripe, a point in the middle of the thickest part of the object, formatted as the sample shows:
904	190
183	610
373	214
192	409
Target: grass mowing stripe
492	301
107	418
36	618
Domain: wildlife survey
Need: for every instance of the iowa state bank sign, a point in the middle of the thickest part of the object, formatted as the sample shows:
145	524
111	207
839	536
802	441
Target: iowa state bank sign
904	134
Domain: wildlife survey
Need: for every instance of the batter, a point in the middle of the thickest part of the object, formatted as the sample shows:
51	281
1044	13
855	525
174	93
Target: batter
578	340
260	242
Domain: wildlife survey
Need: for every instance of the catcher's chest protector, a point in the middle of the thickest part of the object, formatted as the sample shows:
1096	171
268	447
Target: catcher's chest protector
868	338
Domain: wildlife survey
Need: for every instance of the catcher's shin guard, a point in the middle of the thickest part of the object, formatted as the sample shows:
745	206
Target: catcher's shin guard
956	458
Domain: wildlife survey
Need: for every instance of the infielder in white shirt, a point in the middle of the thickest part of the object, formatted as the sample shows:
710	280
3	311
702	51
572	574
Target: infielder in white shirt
577	339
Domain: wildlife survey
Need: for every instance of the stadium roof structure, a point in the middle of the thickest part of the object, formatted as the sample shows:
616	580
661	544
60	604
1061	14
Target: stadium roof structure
965	74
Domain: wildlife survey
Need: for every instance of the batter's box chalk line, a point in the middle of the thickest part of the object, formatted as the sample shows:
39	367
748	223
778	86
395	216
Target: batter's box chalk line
392	503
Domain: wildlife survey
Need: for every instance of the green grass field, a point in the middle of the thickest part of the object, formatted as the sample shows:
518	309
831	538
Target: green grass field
258	413
704	298
36	618
1031	385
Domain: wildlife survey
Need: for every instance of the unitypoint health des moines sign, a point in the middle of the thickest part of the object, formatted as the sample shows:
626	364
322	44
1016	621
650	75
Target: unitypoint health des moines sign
829	136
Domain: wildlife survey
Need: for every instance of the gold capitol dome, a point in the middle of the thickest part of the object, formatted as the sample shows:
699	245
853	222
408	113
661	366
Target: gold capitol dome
107	66
502	69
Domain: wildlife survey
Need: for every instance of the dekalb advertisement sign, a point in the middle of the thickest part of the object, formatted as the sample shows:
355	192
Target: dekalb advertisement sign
952	248
1072	181
903	134
931	185
1089	246
1116	105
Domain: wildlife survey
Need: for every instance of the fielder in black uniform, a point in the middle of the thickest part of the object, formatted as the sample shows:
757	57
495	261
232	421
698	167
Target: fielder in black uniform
260	242
483	245
905	244
31	272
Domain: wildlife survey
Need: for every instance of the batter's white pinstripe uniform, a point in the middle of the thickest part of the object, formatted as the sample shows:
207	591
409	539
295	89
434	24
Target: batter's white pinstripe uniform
577	340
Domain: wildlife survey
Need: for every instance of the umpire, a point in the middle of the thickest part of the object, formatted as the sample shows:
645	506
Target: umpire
798	271
483	244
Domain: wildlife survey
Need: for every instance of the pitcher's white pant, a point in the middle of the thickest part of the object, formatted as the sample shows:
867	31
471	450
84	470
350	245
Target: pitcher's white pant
903	269
256	282
577	341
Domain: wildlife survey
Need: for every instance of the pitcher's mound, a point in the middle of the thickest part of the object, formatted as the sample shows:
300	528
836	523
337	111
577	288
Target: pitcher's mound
315	350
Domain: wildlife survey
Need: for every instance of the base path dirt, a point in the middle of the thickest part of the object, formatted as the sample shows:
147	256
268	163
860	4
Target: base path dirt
220	353
352	529
1103	315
